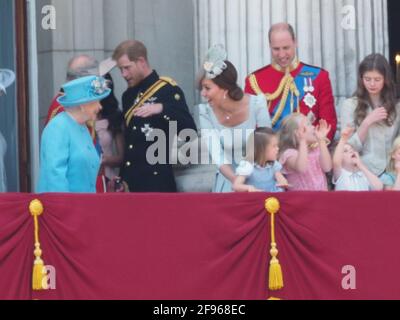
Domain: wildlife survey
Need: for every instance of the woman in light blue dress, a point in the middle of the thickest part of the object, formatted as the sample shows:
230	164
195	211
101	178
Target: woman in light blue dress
69	161
229	117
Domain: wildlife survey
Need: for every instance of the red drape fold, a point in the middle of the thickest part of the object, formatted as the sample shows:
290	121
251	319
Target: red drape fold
202	246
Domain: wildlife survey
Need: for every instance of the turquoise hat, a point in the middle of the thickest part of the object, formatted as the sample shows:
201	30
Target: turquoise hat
84	90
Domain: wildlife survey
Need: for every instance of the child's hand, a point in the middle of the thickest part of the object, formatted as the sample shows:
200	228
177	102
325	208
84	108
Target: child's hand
253	189
347	133
357	160
282	183
322	130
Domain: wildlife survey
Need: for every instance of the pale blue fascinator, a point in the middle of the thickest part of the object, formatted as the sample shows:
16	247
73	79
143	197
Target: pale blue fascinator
214	63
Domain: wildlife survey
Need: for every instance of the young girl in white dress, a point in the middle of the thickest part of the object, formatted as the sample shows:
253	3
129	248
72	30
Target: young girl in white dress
349	172
261	171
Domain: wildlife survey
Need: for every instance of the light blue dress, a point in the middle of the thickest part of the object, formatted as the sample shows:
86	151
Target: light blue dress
388	179
69	161
262	178
227	145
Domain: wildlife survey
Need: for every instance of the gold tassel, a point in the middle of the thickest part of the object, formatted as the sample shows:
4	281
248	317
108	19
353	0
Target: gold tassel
39	277
272	205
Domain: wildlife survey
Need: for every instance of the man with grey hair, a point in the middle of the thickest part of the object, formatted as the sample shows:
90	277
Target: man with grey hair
79	66
82	66
291	85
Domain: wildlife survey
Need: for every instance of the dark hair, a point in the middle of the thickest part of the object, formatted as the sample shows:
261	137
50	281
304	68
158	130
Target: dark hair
376	62
257	144
228	80
110	110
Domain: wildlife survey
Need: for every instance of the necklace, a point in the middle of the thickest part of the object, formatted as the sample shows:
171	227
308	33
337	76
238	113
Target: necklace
228	115
237	108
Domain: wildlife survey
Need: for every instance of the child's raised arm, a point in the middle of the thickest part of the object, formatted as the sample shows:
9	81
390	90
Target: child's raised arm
321	132
373	180
299	164
338	155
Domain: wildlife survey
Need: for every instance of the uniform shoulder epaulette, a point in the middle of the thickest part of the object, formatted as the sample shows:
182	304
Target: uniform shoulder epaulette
171	81
311	66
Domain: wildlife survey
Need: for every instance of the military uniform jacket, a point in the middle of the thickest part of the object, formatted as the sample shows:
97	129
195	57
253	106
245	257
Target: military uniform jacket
137	171
312	86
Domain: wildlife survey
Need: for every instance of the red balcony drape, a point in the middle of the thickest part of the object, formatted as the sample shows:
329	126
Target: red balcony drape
202	246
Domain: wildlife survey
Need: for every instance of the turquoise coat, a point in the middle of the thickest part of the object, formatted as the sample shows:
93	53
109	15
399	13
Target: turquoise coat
69	161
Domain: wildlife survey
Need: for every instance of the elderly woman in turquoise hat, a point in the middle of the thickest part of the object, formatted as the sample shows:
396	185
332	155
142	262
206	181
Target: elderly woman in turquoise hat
69	162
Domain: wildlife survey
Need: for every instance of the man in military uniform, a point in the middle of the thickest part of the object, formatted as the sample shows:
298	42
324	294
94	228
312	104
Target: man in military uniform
292	86
150	102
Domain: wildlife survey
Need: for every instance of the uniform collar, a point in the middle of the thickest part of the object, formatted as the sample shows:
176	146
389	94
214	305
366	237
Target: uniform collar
294	65
148	82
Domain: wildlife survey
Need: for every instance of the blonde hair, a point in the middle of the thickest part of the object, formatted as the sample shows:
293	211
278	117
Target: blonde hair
395	147
257	144
287	137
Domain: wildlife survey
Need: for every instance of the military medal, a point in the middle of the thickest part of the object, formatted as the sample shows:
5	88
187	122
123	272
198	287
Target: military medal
147	130
152	100
139	96
311	117
309	98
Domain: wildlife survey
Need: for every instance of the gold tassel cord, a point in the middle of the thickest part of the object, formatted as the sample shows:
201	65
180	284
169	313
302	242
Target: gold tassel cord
274	299
272	206
39	278
282	104
287	86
